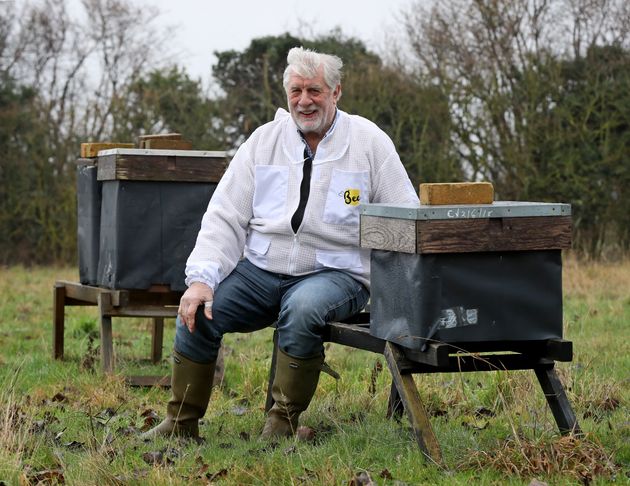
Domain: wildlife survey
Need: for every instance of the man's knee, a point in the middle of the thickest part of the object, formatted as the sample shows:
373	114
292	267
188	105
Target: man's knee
203	344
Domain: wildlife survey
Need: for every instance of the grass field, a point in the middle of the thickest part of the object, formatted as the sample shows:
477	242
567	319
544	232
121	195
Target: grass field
63	421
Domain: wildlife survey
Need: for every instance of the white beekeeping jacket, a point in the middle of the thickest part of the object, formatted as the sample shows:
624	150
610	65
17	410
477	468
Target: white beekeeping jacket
251	209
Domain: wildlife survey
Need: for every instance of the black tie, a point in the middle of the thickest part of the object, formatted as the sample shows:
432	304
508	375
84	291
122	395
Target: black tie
305	188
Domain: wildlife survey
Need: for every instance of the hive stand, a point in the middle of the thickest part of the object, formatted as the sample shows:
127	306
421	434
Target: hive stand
156	303
403	363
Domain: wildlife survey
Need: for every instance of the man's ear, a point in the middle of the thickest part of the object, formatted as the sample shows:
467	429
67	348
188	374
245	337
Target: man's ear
337	93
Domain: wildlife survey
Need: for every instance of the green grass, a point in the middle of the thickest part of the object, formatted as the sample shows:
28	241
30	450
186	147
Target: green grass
65	421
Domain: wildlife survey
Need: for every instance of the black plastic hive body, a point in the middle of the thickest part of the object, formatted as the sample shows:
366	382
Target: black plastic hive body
466	297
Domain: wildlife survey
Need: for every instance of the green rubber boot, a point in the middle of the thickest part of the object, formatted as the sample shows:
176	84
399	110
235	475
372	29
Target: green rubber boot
293	388
191	384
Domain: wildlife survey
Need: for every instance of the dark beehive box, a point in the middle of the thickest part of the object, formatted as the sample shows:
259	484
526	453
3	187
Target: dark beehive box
151	204
88	219
466	274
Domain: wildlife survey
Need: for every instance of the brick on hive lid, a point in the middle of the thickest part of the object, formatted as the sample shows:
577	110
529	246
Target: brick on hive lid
172	141
91	149
157	143
436	194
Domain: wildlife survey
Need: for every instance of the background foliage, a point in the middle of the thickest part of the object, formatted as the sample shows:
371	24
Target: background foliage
531	95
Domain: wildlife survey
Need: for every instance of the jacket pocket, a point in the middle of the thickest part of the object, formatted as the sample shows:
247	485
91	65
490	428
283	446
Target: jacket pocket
346	190
342	260
271	185
256	248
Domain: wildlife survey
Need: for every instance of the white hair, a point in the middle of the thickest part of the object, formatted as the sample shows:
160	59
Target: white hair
306	63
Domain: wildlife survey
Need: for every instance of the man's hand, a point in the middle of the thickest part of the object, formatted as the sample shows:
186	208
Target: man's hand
197	294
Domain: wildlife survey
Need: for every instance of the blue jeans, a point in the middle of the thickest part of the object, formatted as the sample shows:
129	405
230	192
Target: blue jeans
250	299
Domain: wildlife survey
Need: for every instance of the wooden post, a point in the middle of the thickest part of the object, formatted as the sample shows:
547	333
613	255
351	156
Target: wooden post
394	405
59	311
557	400
107	343
272	372
157	339
413	405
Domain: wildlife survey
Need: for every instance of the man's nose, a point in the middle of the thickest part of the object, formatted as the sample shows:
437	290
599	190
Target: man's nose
305	98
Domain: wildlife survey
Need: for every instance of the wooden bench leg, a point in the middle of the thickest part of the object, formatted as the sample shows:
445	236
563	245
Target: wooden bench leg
413	405
59	319
107	343
395	407
272	372
157	339
557	400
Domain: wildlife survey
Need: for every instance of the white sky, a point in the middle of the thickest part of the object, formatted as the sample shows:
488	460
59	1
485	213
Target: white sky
205	26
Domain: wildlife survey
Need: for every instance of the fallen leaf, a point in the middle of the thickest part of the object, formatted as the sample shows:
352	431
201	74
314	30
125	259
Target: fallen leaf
484	412
361	479
59	397
244	435
151	418
385	474
155	458
47	476
219	474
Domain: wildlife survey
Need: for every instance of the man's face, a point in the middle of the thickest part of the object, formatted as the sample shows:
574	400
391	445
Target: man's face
312	103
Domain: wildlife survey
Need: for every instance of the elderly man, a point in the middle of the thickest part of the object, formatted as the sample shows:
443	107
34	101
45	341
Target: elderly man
289	204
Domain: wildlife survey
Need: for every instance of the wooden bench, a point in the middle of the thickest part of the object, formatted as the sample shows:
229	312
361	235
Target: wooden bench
156	303
539	356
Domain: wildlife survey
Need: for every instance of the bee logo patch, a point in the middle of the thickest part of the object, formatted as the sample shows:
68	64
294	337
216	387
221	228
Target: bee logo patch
352	197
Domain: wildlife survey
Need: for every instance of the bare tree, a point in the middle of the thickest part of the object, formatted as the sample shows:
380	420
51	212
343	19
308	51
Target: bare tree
61	71
516	77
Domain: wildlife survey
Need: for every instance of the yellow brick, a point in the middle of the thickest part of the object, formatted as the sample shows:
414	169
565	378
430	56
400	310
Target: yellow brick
456	193
90	149
143	140
157	143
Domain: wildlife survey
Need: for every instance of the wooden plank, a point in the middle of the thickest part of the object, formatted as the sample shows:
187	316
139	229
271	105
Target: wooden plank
413	405
557	400
392	234
107	340
154	311
59	315
148	380
556	349
160	168
436	354
355	336
456	193
91	149
494	234
468	363
559	350
87	293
